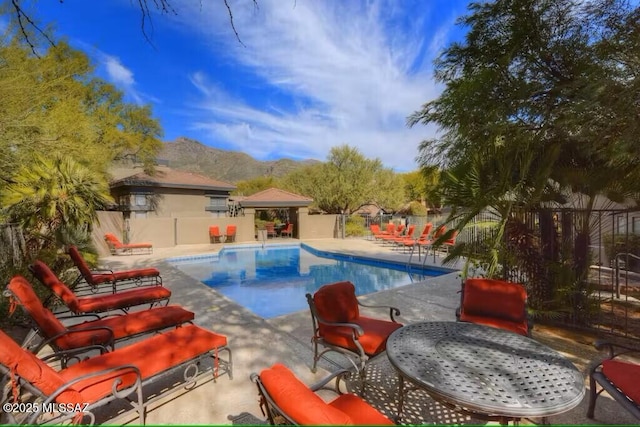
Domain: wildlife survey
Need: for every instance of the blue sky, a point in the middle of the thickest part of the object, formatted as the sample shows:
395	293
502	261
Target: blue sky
309	75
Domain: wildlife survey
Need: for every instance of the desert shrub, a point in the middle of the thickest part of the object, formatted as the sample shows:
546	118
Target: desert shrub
355	227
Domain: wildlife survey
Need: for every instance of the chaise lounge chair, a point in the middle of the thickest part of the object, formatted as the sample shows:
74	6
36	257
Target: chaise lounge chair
152	295
118	248
96	277
98	332
286	400
121	374
338	325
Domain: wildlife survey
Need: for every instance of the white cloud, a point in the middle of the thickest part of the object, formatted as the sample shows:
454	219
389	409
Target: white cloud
353	72
118	73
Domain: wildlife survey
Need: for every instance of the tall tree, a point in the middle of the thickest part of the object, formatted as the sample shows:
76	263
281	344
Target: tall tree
347	181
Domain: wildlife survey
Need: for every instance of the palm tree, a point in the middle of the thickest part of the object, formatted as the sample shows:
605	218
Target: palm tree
54	196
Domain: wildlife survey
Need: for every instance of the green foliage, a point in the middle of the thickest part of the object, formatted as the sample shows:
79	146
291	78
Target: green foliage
355	226
416	209
623	244
255	185
347	181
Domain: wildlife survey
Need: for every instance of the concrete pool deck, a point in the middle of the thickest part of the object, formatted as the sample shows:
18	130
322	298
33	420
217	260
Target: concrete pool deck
257	343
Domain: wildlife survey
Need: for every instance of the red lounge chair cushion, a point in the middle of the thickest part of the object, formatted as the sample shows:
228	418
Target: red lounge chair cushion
151	356
360	412
214	231
98	278
39	374
299	402
132	324
122	299
625	376
112	239
337	302
494	298
373	341
518	327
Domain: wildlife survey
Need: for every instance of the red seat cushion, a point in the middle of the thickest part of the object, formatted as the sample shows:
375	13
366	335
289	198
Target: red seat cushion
374	339
130	324
360	412
625	376
297	401
151	356
128	298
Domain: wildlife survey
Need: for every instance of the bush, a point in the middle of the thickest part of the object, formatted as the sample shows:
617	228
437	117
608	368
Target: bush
355	226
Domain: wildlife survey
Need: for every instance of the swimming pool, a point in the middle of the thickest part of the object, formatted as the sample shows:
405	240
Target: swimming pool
273	280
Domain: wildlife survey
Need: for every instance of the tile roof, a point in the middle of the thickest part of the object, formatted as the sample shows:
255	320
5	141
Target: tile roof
274	197
166	177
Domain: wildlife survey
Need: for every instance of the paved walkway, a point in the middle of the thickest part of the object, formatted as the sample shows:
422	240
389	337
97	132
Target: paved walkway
257	343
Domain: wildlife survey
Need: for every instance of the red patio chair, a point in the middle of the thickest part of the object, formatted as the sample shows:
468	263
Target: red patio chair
101	332
287	231
96	277
152	295
214	234
617	376
271	229
338	325
230	233
286	398
495	303
118	248
121	374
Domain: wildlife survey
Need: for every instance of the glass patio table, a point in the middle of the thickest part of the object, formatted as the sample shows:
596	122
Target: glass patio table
485	372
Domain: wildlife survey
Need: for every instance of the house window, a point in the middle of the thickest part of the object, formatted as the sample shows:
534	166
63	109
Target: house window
217	204
140	200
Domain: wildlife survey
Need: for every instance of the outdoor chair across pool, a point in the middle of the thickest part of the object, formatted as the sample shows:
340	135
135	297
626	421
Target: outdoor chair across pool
123	278
103	332
338	325
118	248
187	355
152	295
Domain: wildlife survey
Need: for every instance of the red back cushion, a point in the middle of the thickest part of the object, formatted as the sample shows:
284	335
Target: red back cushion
214	230
49	279
79	261
337	302
23	292
231	230
29	367
494	298
297	401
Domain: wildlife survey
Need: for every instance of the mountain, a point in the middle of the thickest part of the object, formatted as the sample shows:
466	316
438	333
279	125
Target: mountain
229	166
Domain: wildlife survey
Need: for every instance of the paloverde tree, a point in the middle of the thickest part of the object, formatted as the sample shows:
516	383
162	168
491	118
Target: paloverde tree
347	181
553	80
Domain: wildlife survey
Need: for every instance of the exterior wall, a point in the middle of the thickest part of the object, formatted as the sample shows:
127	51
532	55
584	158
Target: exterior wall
108	222
316	226
175	203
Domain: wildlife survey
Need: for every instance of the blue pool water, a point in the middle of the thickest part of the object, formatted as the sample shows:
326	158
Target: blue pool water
273	281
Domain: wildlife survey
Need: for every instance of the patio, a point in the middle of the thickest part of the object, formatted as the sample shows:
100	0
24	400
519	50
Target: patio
257	343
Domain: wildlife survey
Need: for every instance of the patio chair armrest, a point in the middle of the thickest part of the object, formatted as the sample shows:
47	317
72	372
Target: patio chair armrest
322	384
110	343
612	347
119	370
393	311
95	316
357	329
101	270
71	353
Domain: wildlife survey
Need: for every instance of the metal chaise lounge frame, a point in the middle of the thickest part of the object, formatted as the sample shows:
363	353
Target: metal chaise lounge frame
104	332
121	374
347	334
124	300
118	248
286	400
95	277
